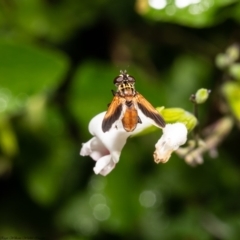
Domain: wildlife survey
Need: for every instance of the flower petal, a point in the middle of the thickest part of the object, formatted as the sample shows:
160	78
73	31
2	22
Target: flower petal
106	147
174	135
94	148
104	165
113	140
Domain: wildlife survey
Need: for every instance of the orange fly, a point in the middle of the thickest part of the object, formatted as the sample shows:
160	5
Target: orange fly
125	105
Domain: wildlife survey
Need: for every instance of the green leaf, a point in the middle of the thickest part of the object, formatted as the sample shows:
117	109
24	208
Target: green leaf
188	13
50	165
54	21
29	69
231	92
26	70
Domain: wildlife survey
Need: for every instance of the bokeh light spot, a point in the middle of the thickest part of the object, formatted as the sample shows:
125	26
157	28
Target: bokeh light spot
3	104
147	199
101	212
157	4
170	10
96	199
185	3
86	226
97	184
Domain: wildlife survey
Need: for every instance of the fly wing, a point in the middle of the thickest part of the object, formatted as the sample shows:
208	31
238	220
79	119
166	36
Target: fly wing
113	113
149	111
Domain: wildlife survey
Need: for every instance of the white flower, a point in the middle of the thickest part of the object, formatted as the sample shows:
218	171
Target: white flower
174	135
105	148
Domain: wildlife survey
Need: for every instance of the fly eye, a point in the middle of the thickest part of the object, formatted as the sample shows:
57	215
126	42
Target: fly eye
131	79
118	80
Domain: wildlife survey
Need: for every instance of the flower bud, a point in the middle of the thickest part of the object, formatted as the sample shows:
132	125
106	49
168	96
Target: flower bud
234	70
222	61
231	92
233	52
201	95
173	115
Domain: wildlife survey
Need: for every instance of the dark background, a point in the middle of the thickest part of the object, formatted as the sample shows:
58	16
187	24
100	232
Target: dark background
58	59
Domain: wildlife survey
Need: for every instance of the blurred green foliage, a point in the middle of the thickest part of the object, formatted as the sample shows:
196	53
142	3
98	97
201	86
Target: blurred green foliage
58	59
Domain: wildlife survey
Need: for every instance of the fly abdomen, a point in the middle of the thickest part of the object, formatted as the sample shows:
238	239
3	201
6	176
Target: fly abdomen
130	118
